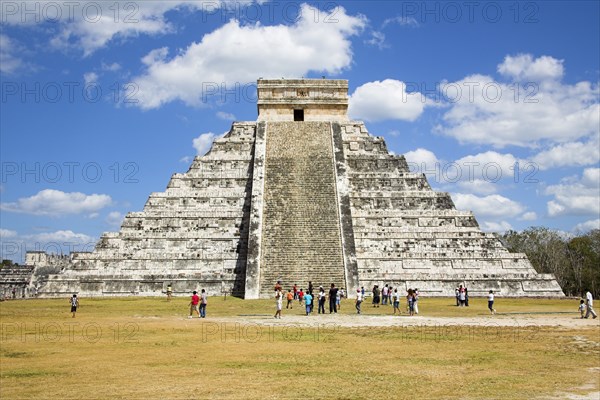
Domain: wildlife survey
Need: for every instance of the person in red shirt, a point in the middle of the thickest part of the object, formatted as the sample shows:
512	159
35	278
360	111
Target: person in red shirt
300	296
194	305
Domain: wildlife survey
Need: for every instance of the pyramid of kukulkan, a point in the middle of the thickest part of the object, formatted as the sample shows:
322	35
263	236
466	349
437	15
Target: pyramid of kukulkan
301	194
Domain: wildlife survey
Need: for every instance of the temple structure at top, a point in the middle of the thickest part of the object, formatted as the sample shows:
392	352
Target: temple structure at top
301	194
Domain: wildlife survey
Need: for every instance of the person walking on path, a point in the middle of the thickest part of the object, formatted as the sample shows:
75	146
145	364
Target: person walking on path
203	303
278	303
308	299
359	300
322	297
332	299
582	308
74	304
295	289
194	304
589	302
491	302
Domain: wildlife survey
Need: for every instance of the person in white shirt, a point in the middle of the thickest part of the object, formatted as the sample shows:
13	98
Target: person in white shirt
396	299
491	302
589	300
359	300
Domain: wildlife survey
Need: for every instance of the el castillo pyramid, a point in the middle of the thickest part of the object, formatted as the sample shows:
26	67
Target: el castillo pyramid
301	194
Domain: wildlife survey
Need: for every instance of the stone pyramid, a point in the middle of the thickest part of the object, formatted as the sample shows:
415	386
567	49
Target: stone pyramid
302	194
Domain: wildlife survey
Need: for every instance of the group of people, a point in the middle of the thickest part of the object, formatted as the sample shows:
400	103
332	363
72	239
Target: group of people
462	296
586	306
198	304
334	295
389	295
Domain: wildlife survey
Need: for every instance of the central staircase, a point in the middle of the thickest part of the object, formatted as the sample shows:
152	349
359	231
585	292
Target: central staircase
301	226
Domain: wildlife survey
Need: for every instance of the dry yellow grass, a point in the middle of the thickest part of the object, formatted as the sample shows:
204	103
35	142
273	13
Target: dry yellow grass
147	348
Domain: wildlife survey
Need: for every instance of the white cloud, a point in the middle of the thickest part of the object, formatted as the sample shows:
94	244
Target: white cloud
478	186
186	159
490	206
111	67
491	226
7	233
114	218
60	237
52	202
225	116
528	216
573	196
385	100
237	53
523	66
203	143
484	111
90	77
377	39
587	225
90	25
569	154
402	21
10	62
421	159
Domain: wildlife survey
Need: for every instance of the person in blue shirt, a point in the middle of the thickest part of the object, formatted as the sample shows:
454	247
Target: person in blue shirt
308	302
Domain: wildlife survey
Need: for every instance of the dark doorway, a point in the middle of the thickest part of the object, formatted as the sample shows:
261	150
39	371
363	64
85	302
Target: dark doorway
298	115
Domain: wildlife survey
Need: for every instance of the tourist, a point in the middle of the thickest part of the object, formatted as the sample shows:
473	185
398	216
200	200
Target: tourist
308	299
396	300
322	297
491	302
416	302
290	298
410	299
74	304
203	303
457	295
332	299
338	298
169	292
466	297
14	292
300	296
359	299
362	291
278	303
582	308
590	304
384	295
390	293
194	304
461	295
295	288
375	296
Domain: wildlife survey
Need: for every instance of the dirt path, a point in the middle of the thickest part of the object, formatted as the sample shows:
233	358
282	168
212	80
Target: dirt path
345	320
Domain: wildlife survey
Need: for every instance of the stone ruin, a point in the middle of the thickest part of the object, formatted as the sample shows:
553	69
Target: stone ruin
301	194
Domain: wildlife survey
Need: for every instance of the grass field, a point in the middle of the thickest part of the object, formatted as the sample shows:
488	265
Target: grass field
148	348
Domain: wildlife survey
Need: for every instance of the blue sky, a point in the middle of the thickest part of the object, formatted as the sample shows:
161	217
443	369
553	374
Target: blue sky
101	102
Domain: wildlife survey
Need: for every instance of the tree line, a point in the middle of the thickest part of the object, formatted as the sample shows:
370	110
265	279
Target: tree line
573	259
